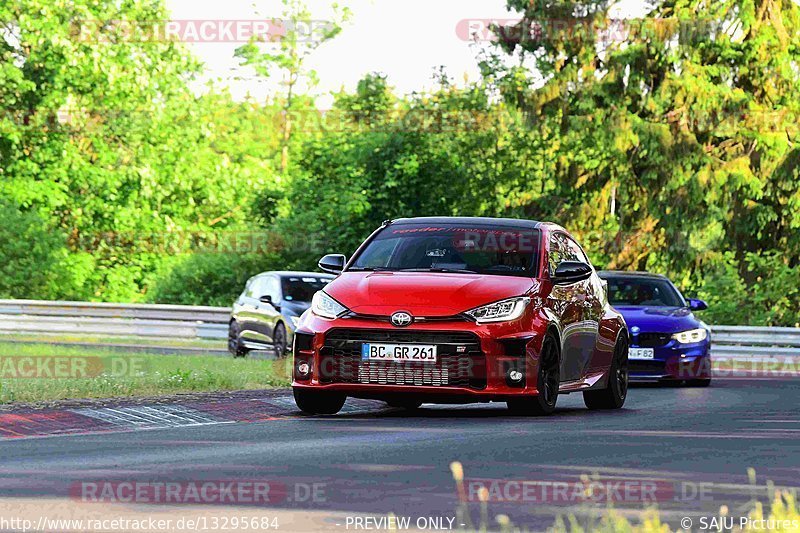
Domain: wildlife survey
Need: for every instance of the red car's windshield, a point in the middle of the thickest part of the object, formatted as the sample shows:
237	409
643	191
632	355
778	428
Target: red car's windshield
505	251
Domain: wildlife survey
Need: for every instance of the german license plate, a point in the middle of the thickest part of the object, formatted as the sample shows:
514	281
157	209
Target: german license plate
641	353
404	353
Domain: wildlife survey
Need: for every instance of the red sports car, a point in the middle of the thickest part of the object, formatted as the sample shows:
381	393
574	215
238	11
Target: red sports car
459	310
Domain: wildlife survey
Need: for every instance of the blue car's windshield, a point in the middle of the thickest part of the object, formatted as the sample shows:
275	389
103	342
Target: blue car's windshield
302	288
644	292
501	251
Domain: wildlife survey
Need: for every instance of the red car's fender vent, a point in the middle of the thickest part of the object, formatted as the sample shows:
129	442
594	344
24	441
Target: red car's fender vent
460	362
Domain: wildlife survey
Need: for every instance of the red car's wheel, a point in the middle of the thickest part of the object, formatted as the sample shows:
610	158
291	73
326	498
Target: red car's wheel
549	380
613	396
319	402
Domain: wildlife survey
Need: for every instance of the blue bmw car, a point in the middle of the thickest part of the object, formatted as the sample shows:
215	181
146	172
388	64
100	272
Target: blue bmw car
667	341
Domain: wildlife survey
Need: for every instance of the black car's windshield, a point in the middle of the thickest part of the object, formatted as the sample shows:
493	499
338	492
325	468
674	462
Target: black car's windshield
644	292
503	251
302	288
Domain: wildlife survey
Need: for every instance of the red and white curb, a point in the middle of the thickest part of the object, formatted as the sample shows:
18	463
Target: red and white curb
56	422
151	417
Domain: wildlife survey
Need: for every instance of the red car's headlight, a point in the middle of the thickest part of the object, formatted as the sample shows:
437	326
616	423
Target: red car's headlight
326	307
501	311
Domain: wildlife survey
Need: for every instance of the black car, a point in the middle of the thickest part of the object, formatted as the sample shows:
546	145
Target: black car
266	313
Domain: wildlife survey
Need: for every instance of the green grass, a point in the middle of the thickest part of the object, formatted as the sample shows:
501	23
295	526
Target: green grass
114	374
100	339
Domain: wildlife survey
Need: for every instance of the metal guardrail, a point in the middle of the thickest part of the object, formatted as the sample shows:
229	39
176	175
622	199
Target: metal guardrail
184	322
218	315
754	342
124	320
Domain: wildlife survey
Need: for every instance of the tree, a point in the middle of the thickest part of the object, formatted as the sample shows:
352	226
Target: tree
688	116
447	152
30	255
103	139
298	35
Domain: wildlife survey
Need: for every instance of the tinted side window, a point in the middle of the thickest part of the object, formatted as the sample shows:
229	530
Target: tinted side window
576	251
258	288
249	291
561	250
273	288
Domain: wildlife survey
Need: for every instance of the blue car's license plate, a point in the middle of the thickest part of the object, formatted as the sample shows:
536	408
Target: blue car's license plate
641	353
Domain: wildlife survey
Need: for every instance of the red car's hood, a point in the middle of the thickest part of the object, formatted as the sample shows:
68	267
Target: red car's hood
422	293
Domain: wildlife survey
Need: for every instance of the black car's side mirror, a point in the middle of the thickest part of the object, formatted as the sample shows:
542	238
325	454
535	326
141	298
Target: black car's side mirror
571	272
697	305
267	299
332	263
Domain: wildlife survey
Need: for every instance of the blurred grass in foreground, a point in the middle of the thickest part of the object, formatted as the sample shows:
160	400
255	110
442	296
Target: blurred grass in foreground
116	374
783	509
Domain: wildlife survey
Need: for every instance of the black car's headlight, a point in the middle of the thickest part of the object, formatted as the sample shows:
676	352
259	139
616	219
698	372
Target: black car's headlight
501	311
326	307
691	336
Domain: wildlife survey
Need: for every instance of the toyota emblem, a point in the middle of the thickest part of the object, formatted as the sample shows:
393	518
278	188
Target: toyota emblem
402	319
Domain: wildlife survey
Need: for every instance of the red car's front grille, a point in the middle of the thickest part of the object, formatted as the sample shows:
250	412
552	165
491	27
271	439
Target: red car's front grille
460	360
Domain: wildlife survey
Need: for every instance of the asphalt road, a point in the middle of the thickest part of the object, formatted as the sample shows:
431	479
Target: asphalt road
689	448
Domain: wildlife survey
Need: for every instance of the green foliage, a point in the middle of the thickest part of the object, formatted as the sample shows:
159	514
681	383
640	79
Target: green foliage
102	138
773	299
671	147
687	127
209	278
641	183
30	254
449	152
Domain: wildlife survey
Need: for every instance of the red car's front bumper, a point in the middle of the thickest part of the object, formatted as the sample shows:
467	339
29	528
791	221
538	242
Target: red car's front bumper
475	362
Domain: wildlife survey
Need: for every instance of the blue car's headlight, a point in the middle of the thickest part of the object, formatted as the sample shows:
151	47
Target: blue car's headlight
691	336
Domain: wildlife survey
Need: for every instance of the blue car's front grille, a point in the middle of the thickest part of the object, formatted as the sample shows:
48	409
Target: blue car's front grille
650	340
